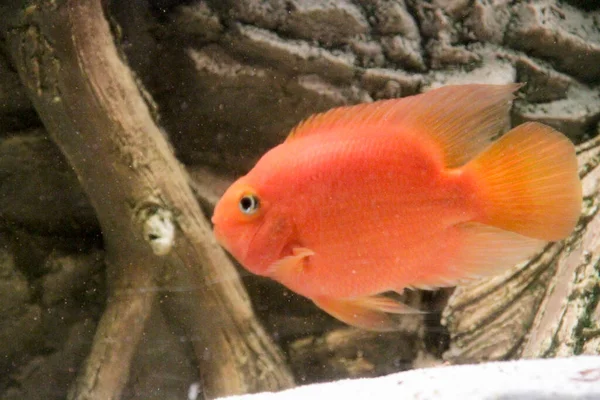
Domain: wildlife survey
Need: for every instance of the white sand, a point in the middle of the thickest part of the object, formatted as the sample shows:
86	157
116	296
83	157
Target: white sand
550	379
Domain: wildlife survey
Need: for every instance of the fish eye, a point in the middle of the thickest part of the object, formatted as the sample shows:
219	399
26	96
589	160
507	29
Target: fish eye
249	204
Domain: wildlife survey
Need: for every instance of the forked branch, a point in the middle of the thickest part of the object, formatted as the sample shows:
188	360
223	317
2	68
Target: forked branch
90	104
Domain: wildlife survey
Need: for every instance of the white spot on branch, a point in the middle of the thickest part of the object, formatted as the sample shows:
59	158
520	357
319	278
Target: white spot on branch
158	229
194	391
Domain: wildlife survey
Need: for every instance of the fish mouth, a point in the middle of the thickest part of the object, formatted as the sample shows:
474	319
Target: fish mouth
219	237
232	242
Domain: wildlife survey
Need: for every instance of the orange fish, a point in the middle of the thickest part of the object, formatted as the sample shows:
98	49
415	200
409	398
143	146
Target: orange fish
402	193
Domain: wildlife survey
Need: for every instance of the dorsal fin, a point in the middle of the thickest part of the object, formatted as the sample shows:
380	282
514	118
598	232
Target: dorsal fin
462	118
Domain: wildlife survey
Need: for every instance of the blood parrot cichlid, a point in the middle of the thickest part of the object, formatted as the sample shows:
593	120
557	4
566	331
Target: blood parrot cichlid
402	193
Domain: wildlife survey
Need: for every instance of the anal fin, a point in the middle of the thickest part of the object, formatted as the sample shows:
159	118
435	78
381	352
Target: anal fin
370	312
484	251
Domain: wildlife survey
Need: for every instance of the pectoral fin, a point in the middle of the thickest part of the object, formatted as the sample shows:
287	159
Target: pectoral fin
370	313
290	266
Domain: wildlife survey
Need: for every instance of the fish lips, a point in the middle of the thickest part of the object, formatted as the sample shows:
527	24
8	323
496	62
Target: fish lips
219	237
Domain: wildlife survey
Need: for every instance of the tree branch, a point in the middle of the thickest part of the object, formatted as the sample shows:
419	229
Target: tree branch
90	104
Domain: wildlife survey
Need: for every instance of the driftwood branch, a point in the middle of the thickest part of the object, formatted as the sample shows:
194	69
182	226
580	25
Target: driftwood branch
152	227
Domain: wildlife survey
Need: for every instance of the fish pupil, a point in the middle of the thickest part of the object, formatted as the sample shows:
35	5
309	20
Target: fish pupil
248	204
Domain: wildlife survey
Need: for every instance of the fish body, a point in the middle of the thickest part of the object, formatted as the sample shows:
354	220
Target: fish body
412	192
358	231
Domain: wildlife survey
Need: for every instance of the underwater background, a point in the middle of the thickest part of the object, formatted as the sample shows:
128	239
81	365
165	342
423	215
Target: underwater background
225	81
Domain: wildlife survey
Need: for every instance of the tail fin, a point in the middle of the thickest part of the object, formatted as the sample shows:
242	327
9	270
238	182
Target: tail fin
529	183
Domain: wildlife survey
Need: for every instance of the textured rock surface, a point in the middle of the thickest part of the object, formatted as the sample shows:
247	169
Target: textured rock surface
20	323
563	35
51	294
38	189
16	111
253	69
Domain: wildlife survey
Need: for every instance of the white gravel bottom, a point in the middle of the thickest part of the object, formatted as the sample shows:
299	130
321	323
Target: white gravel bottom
550	379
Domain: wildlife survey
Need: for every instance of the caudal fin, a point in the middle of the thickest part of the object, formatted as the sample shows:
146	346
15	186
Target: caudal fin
529	183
